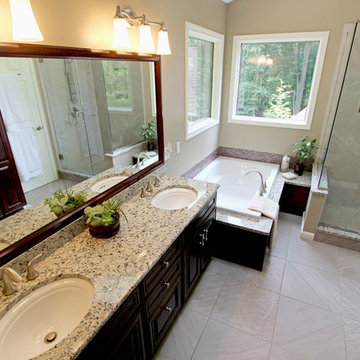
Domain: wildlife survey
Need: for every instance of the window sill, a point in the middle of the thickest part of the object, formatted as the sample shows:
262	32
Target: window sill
279	123
199	127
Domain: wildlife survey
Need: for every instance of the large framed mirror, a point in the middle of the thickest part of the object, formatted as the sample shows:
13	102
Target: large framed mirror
75	120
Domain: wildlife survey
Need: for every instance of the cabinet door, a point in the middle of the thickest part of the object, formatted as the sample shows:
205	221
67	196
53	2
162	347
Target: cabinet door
12	197
192	260
207	232
132	346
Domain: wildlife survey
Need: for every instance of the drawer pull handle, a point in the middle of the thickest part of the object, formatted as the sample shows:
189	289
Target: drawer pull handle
168	309
165	264
4	168
166	284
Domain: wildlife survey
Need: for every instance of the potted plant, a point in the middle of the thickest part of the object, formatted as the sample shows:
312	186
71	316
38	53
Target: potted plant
104	219
62	202
304	151
147	132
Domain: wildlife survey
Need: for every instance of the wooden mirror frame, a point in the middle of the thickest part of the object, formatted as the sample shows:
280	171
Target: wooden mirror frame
45	51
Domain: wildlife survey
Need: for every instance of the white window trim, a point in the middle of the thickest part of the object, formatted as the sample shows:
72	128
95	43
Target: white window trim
321	36
217	39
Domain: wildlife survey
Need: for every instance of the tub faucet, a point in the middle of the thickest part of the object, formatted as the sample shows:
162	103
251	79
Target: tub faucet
262	189
9	276
140	162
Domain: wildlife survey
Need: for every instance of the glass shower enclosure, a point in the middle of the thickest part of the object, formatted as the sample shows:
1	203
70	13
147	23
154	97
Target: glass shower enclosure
342	159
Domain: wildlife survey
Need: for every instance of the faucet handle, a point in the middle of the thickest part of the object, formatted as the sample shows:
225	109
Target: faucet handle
32	274
142	194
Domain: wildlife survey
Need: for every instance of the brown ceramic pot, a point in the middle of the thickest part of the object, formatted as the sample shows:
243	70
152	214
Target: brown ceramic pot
103	232
299	168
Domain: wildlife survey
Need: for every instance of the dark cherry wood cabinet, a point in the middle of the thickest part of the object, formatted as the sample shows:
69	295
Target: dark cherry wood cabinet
293	199
12	197
196	246
137	328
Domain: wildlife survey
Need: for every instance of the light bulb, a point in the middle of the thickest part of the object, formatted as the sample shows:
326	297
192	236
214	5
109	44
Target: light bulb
163	43
269	61
261	60
25	27
121	36
146	44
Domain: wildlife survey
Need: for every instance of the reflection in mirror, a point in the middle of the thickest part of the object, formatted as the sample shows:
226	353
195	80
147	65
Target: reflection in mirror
72	123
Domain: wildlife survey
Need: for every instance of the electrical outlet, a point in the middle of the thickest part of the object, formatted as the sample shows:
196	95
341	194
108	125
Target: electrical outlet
178	147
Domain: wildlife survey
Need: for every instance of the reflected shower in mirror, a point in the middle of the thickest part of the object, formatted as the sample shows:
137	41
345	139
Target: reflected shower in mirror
79	119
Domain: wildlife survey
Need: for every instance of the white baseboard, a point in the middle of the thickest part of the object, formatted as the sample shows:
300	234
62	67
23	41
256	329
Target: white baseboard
305	235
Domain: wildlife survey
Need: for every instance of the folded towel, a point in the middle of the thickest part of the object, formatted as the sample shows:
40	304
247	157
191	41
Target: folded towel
270	209
289	175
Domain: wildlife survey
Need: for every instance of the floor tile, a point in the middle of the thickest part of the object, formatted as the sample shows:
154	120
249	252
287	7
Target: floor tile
222	342
349	263
280	244
206	292
352	338
278	353
312	253
350	298
183	337
313	286
270	278
308	331
247	308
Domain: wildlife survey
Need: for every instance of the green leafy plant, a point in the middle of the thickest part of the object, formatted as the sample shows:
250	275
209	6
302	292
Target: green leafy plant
104	214
148	131
304	149
64	201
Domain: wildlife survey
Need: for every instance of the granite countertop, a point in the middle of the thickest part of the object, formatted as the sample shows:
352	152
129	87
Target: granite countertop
115	266
264	224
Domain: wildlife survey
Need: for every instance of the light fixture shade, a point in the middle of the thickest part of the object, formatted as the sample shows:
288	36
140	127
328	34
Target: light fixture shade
146	44
163	43
25	27
121	36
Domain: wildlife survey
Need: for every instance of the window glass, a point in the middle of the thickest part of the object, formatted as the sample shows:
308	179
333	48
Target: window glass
275	79
118	85
200	70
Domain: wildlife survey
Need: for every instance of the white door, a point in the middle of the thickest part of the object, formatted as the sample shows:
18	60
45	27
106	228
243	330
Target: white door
25	70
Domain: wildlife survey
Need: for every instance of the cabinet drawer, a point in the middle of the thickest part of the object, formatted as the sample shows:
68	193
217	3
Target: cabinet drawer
163	318
160	270
163	288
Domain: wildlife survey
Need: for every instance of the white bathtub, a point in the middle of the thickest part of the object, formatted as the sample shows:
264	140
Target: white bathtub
236	189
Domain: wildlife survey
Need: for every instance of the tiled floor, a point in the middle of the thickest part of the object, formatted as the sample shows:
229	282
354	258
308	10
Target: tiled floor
305	305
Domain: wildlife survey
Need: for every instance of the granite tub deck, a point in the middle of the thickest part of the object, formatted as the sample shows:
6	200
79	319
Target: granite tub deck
114	266
264	224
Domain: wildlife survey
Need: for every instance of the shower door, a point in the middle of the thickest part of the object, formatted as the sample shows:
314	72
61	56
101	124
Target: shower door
342	208
64	89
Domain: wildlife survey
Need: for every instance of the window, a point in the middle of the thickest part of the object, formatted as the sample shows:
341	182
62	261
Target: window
118	85
275	78
203	65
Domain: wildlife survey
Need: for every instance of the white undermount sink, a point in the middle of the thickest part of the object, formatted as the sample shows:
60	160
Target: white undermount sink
174	198
44	317
107	183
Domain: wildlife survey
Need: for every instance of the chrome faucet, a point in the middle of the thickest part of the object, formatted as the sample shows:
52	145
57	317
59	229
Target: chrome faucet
140	162
262	189
9	276
156	184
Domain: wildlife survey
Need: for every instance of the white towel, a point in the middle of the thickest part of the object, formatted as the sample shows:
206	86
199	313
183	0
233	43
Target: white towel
18	126
270	209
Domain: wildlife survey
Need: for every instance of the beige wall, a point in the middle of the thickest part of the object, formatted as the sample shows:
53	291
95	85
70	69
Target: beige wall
88	23
246	17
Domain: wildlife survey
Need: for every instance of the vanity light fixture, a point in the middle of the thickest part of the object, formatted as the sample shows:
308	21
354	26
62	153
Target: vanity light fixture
25	27
125	20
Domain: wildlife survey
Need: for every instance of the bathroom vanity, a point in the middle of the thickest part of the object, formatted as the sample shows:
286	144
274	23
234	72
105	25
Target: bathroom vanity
141	276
